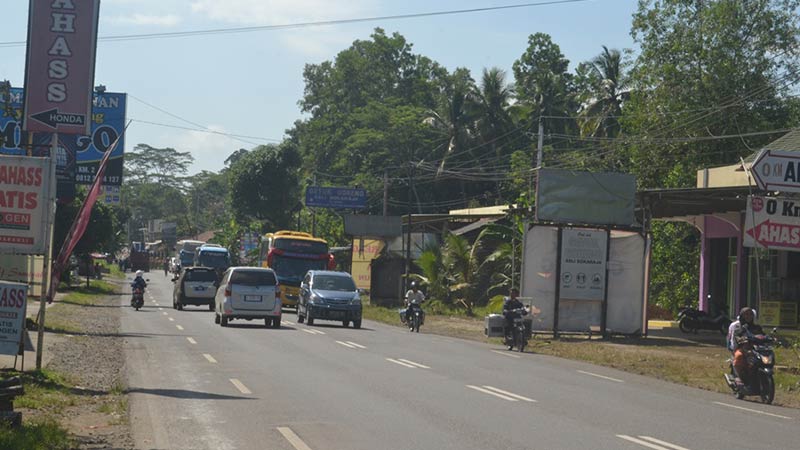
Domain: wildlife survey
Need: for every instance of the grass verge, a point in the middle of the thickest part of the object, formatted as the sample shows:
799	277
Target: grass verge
695	363
44	435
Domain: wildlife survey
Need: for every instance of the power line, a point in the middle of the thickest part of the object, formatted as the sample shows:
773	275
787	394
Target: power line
179	127
236	30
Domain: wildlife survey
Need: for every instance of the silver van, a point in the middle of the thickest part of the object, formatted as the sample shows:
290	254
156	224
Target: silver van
248	293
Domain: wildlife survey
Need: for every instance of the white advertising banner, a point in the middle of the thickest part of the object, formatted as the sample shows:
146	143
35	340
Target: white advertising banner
13	299
772	222
27	197
583	264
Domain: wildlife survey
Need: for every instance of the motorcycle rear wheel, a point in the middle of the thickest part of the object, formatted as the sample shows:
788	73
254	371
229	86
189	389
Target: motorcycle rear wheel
684	325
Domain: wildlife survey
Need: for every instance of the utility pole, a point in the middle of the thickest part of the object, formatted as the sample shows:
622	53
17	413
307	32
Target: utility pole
538	163
408	222
314	213
385	193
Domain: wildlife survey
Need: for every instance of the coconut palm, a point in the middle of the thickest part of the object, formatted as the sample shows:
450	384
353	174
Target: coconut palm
492	102
609	90
453	115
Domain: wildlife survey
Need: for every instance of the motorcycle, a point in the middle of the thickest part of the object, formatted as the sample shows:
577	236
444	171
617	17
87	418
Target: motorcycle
417	318
691	320
759	377
519	332
137	301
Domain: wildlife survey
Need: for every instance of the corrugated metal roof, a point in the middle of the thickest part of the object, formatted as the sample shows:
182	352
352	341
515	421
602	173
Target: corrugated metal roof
789	142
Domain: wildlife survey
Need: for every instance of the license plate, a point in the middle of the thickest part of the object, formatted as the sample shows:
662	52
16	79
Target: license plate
252	298
336	314
199	288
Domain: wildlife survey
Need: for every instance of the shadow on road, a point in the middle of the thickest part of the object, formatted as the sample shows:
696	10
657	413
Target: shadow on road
187	394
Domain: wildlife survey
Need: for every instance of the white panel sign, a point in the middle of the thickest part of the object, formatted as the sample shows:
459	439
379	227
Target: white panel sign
583	264
13	298
27	198
776	170
772	222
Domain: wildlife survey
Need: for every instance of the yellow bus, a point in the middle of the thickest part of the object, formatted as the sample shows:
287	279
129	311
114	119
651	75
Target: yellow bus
291	254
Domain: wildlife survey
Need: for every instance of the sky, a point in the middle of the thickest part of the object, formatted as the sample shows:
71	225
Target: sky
248	84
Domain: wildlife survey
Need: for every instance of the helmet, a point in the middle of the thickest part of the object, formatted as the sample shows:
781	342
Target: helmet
413	284
139	273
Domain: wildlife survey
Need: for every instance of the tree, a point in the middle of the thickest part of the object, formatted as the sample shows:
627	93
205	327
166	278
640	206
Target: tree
452	115
164	166
493	121
607	90
265	185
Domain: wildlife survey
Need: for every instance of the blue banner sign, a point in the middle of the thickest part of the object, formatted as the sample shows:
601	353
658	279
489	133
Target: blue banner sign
336	197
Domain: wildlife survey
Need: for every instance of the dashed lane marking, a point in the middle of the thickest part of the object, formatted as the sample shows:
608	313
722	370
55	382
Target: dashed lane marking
160	309
191	341
651	442
421	366
355	345
240	386
286	322
210	359
345	344
486	391
510	394
510	355
600	376
293	439
179	327
171	319
165	313
753	410
313	331
400	363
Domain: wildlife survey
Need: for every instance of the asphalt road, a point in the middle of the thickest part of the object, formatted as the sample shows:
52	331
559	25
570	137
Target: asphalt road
196	385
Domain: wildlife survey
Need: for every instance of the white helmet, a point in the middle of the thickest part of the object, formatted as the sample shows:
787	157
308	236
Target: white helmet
139	273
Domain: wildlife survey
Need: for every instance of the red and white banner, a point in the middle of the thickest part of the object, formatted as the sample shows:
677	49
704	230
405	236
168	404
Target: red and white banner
772	222
59	73
27	198
13	302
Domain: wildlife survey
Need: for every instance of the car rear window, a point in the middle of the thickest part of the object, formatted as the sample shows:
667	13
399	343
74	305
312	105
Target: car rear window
253	278
334	283
200	275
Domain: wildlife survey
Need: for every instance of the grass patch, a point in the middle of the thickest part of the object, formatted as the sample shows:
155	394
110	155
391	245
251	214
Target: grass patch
45	435
380	314
84	295
112	270
45	391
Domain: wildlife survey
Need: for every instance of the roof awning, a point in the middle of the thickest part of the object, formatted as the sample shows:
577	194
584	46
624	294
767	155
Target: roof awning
475	225
679	203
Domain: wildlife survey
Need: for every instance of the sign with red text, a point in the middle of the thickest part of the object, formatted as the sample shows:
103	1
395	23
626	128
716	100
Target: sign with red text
13	302
59	74
27	193
772	222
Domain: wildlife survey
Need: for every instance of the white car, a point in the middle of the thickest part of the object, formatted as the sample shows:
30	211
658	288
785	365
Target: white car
248	293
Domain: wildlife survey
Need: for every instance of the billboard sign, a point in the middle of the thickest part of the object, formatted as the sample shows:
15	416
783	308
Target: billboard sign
13	303
336	197
59	73
27	199
775	170
583	264
78	156
571	197
27	269
773	223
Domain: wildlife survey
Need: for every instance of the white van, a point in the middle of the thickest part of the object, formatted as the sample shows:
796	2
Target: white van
248	293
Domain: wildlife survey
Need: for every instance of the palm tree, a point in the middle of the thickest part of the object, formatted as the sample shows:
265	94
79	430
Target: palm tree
452	116
609	90
492	102
460	260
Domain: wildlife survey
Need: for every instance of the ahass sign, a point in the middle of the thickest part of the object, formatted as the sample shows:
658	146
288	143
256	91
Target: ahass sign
773	223
78	156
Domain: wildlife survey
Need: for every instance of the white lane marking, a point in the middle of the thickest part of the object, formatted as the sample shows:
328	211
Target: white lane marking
600	376
486	391
308	331
641	442
171	319
286	322
400	363
753	410
312	331
191	341
421	366
506	354
210	359
660	442
165	313
179	327
510	394
293	439
240	386
357	345
160	309
345	344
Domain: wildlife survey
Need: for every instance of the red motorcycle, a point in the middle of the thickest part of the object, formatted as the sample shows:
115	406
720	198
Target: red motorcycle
137	301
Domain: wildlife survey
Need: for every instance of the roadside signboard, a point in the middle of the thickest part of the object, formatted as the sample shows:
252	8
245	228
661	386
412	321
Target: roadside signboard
773	223
27	197
776	170
27	269
13	304
336	197
78	156
583	264
59	73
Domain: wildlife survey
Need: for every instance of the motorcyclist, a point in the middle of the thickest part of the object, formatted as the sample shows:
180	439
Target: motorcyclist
414	299
511	306
138	282
743	332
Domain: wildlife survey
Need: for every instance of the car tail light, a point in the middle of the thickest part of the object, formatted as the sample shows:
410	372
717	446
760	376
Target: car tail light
228	290
278	292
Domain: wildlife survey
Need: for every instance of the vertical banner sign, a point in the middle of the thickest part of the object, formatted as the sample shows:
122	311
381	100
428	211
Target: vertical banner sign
13	302
583	264
59	72
26	194
772	222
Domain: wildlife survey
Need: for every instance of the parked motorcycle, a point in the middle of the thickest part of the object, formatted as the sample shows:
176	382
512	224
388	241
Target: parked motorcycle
519	334
759	377
137	300
691	320
417	318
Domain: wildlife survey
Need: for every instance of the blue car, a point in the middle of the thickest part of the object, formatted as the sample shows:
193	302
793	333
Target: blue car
329	295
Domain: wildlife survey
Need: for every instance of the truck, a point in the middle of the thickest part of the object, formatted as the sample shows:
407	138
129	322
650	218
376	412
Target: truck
139	258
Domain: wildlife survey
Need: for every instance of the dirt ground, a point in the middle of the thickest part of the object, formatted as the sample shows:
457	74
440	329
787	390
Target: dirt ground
93	362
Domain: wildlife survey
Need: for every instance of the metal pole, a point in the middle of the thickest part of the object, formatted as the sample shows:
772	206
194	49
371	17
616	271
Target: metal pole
539	158
314	214
47	254
408	224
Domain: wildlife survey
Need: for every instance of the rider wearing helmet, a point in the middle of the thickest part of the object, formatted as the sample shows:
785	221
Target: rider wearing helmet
414	299
744	330
511	306
139	280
